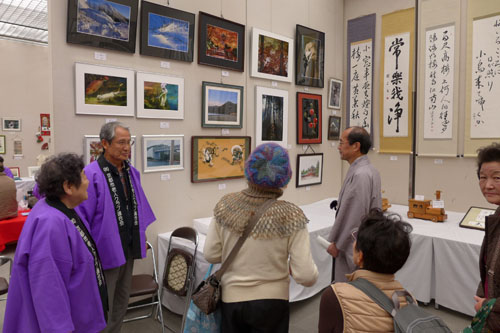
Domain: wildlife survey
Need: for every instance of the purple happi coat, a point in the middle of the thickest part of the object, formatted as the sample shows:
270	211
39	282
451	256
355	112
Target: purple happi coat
8	172
100	213
53	287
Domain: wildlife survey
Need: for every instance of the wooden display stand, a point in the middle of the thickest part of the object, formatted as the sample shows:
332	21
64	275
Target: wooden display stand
422	209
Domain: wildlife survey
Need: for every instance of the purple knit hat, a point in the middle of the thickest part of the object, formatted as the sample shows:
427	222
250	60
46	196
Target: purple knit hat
268	166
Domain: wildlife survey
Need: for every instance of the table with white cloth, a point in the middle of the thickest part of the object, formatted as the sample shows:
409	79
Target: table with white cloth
24	185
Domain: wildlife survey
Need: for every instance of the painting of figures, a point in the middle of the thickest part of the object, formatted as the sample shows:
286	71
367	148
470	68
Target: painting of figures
222	105
163	152
105	90
221	43
168	33
92	149
271	56
271	116
161	96
309	169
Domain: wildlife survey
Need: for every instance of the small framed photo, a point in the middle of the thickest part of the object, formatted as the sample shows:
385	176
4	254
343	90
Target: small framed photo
310	60
15	172
166	32
309	122
334	123
271	113
92	149
309	169
335	94
102	23
221	43
222	105
162	152
32	171
272	55
475	218
3	144
160	96
11	124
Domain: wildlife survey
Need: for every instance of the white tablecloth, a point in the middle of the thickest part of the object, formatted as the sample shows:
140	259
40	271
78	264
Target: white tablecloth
23	186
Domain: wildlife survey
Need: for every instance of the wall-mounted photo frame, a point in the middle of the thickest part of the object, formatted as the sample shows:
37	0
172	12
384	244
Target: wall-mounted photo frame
160	96
222	105
218	157
162	152
92	149
272	56
334	123
3	144
475	218
221	43
166	32
309	169
11	124
335	94
309	115
104	91
101	23
310	57
33	170
15	172
271	116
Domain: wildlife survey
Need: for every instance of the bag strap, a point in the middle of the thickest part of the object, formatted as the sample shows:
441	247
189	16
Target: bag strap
248	229
375	294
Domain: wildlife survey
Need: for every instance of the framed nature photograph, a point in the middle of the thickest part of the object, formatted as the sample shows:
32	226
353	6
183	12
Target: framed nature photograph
335	94
33	170
309	114
11	124
166	32
222	105
105	91
160	96
272	55
3	144
218	157
334	123
162	152
271	116
475	218
309	169
15	172
310	60
92	148
102	23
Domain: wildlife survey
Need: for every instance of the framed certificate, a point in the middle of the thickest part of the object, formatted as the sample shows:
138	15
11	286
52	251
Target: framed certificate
476	217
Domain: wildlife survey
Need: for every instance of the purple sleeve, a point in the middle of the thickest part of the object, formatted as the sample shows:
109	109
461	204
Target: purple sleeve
8	172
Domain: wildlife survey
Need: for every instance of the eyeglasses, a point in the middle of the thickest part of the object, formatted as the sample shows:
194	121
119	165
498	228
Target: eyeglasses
354	234
125	142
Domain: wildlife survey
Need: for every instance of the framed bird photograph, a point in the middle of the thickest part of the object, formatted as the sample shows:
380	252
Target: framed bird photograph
310	60
160	96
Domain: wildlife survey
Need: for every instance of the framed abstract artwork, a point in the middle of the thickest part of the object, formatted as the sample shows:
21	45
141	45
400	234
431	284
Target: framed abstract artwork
309	118
103	23
222	105
335	94
3	144
309	169
162	152
11	124
221	43
160	96
166	32
271	116
272	55
92	148
310	60
218	157
334	123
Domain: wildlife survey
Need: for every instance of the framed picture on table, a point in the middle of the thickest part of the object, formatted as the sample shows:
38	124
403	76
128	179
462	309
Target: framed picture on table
309	113
15	172
475	218
309	169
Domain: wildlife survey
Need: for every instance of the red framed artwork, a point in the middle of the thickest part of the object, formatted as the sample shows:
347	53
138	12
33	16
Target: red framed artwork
309	118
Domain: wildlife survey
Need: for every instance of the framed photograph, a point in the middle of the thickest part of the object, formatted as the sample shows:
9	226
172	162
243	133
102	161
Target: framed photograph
271	116
45	124
166	32
222	105
160	96
218	157
310	60
32	171
11	124
3	144
162	152
221	43
18	147
104	91
309	169
475	218
102	23
15	172
309	122
335	94
92	148
334	123
272	55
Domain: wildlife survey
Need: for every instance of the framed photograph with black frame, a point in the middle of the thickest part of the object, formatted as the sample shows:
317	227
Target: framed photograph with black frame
309	118
271	116
101	23
475	218
310	60
166	32
334	123
222	105
221	43
335	94
309	169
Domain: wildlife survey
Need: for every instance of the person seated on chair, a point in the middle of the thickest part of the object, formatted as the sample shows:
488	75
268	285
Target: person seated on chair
57	282
5	169
8	191
381	247
255	287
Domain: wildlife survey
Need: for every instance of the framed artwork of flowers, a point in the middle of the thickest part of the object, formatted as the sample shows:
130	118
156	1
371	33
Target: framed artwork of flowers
308	118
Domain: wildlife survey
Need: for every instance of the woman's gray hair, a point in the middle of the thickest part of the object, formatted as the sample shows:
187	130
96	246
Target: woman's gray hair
108	130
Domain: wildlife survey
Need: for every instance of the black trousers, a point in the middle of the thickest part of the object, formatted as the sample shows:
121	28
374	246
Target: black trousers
265	315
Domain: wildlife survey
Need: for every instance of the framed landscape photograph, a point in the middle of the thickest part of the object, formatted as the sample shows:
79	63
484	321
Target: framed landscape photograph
222	105
272	56
335	94
221	42
160	96
15	172
162	152
309	169
92	148
218	157
334	123
271	116
166	32
3	144
102	23
105	91
309	114
475	218
310	60
11	124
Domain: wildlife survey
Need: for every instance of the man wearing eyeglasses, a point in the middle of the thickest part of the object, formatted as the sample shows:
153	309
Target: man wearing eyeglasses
360	192
118	213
